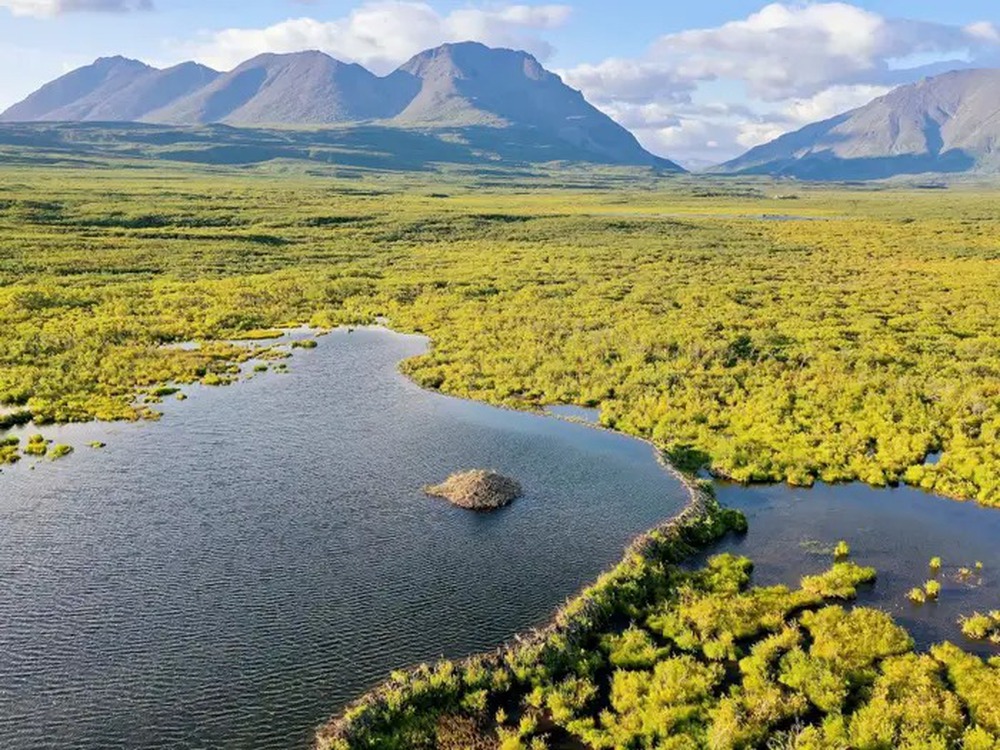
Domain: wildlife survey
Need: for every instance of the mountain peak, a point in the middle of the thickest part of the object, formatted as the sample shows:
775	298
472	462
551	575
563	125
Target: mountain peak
466	59
118	61
311	55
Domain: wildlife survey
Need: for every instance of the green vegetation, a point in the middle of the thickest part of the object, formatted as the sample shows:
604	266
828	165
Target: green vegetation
59	450
932	589
164	390
982	627
848	347
258	334
659	656
9	449
37	446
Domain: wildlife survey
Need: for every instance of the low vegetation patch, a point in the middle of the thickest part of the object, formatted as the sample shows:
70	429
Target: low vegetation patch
982	627
60	450
37	445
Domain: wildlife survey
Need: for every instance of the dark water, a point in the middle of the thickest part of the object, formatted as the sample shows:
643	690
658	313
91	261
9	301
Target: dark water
793	531
229	577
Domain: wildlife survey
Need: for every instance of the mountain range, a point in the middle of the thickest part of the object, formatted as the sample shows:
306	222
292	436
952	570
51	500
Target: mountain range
466	102
946	124
454	86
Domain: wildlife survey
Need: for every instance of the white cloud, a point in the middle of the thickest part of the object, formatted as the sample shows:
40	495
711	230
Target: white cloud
723	89
50	8
984	30
635	81
832	101
385	33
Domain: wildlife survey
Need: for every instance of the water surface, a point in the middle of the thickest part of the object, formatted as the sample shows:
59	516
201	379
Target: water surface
231	575
793	532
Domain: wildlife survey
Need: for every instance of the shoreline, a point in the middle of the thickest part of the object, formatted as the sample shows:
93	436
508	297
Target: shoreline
702	521
576	615
340	729
700	505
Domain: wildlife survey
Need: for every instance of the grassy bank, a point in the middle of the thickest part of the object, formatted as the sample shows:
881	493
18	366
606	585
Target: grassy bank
406	710
656	655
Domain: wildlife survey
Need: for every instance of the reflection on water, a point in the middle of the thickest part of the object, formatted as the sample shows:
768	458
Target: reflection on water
793	531
228	577
575	413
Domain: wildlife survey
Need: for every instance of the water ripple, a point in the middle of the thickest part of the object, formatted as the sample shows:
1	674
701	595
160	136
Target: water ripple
230	576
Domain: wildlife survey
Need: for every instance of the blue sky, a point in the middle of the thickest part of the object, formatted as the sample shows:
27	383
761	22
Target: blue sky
696	81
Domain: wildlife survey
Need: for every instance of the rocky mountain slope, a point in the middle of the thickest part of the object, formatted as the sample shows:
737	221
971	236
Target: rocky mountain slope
948	123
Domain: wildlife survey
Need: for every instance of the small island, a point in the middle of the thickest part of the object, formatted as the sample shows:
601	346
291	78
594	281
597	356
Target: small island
477	490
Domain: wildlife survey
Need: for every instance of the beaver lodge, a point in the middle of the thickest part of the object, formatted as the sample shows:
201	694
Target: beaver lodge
477	490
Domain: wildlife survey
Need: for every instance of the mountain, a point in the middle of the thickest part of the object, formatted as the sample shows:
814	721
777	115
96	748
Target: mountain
303	88
113	89
75	95
948	123
500	100
471	84
151	91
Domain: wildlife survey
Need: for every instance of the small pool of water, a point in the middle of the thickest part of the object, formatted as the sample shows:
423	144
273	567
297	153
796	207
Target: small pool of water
898	531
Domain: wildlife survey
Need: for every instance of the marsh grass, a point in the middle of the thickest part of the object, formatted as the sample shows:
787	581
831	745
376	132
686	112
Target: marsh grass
799	351
60	450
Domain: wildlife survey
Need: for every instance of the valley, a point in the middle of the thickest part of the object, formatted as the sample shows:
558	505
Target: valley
424	375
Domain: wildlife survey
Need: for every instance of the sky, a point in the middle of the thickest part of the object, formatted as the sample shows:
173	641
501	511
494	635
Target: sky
699	82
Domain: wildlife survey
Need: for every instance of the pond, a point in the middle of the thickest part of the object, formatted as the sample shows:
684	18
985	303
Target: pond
230	576
898	531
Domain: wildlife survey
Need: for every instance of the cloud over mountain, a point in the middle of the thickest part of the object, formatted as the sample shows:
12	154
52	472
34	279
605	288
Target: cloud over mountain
384	33
789	63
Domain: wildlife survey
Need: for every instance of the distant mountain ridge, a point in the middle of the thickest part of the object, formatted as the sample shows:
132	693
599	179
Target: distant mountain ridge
949	123
463	85
111	89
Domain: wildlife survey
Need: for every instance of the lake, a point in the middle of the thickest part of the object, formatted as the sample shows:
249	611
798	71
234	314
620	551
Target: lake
230	576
